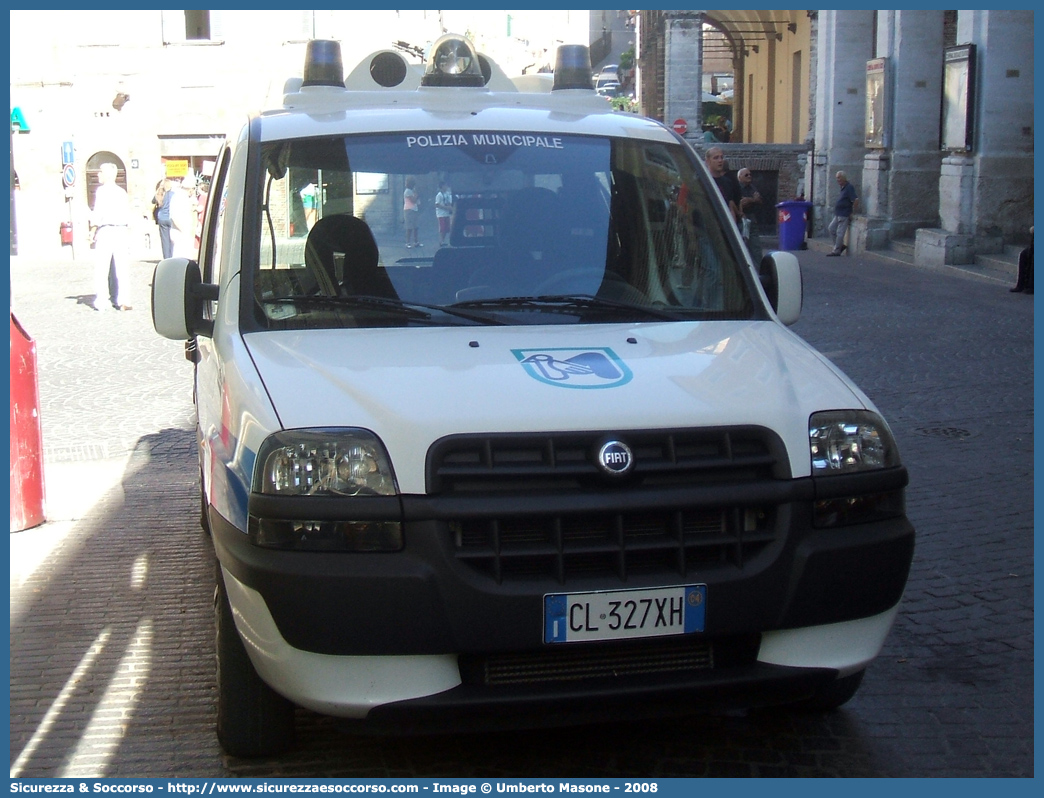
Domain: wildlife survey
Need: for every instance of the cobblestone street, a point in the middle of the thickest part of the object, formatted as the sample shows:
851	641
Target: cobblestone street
111	623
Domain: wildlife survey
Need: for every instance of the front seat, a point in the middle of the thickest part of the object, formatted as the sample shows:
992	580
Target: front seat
342	254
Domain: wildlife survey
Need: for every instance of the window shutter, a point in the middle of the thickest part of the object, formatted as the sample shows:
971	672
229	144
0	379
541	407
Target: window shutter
217	26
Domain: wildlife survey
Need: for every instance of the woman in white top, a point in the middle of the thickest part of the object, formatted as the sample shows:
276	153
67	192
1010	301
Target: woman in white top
183	221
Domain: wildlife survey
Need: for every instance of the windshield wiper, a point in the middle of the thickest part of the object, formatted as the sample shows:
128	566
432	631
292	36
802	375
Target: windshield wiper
568	302
361	302
411	310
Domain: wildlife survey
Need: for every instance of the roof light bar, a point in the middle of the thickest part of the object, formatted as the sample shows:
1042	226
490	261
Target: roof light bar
323	65
573	67
453	62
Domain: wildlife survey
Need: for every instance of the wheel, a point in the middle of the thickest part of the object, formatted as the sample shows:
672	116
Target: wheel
252	718
833	695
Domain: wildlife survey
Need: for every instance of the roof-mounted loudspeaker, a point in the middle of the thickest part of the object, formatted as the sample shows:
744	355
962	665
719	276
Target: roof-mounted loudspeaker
384	69
388	69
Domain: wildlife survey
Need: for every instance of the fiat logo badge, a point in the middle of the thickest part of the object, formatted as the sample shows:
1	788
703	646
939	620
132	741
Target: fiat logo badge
615	458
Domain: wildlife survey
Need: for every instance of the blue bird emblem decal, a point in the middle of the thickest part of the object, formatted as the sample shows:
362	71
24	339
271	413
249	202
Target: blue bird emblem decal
597	367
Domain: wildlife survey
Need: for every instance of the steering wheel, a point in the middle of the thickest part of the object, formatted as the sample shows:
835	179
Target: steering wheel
572	281
608	285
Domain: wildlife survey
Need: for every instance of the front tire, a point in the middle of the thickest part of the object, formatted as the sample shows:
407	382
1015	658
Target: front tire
252	719
833	695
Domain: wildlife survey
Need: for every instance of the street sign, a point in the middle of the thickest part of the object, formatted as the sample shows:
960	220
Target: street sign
176	168
67	153
18	123
680	127
69	175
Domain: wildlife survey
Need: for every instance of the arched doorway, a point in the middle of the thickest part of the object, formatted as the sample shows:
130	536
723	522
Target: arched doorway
91	178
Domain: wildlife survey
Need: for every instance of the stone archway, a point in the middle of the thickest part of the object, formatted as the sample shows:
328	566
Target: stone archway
90	178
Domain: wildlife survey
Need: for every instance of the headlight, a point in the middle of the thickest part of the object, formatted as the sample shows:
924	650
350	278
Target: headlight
851	442
324	463
325	490
847	441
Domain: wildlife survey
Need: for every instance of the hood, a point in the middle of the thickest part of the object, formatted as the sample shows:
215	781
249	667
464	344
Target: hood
413	386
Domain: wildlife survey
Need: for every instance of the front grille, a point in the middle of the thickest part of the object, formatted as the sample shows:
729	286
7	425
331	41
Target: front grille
606	660
612	544
566	543
463	464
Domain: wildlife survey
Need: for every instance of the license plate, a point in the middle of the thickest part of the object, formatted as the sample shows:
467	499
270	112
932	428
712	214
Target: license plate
624	614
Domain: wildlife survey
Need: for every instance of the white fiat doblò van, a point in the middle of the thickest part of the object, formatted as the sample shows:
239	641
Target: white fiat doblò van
498	423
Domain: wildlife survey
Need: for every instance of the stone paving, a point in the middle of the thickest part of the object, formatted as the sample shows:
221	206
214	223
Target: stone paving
112	668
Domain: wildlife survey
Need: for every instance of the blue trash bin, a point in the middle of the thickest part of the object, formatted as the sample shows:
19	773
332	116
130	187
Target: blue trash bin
792	216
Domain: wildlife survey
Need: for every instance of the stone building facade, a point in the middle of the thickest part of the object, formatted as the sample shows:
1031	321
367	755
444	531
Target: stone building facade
914	184
156	92
953	202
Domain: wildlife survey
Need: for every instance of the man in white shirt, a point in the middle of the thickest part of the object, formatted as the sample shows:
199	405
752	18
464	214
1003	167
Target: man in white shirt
110	231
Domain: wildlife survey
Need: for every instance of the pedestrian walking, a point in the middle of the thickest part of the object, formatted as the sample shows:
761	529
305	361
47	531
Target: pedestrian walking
183	219
411	212
310	202
844	206
722	131
161	214
200	209
110	235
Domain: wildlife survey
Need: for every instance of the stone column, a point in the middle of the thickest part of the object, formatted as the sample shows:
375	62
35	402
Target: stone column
683	70
870	229
986	195
957	201
843	48
808	177
953	243
1003	149
900	182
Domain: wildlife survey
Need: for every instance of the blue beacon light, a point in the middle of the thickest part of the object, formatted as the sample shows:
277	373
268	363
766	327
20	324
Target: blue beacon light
323	65
572	67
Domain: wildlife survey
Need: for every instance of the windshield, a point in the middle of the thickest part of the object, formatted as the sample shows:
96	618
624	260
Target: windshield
465	228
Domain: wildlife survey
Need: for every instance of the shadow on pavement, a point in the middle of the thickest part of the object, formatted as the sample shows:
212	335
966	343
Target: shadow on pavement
111	649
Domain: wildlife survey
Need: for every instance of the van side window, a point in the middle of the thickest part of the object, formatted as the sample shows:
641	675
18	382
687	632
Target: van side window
213	222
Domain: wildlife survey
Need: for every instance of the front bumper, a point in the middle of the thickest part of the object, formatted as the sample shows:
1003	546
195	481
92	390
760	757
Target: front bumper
418	632
416	693
437	597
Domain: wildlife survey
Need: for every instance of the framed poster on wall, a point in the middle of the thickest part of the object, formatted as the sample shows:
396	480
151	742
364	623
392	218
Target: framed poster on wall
958	98
877	104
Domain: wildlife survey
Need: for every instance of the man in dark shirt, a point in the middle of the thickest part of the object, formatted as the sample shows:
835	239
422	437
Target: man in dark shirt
727	184
846	203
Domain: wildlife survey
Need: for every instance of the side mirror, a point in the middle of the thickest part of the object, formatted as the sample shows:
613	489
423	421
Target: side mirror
780	275
178	295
